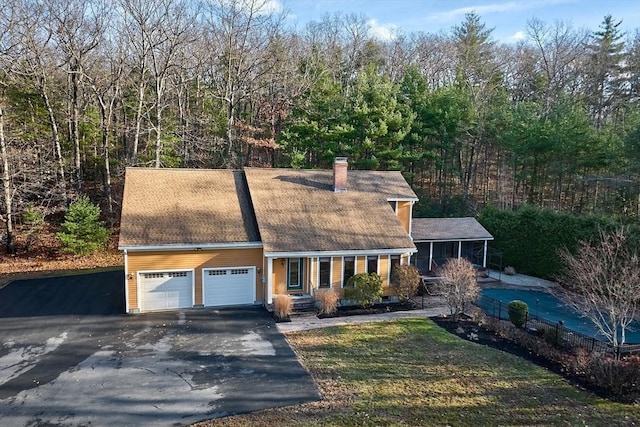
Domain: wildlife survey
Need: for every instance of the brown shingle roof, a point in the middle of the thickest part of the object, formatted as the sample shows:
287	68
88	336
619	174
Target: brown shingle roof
298	211
448	229
185	207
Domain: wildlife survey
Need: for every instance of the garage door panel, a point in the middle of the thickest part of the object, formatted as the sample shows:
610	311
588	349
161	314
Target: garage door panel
230	286
166	290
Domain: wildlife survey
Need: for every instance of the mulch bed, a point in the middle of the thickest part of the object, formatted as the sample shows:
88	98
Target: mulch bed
470	331
354	310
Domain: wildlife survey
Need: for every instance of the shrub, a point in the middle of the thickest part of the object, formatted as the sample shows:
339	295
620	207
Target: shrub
458	286
478	316
34	220
82	231
328	301
406	278
509	271
518	312
620	377
364	288
282	306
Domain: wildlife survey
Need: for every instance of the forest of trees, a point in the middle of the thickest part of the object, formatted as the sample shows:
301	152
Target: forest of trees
88	88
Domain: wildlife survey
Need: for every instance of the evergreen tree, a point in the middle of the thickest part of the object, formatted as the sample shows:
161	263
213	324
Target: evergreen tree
83	232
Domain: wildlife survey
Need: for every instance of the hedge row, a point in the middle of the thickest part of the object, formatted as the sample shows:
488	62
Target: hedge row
530	238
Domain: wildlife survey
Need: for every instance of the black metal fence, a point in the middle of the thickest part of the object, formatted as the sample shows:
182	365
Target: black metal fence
555	332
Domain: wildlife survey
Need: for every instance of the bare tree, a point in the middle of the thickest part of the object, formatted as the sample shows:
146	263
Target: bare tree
38	65
241	32
78	28
458	285
164	29
602	281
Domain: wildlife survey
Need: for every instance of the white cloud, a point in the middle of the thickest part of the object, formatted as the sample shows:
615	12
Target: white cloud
382	32
508	6
271	6
518	35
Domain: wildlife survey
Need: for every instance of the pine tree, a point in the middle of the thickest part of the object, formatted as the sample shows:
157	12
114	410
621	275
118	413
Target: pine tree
83	232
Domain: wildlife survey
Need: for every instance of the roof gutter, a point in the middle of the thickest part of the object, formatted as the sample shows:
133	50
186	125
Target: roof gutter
395	251
453	239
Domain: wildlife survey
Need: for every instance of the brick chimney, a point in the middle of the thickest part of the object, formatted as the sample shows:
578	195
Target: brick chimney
340	167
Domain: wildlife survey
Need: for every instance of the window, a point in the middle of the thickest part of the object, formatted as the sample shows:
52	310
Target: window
395	261
325	273
372	264
294	274
217	272
348	269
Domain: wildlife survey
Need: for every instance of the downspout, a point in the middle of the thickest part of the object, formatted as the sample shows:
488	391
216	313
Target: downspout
126	281
484	258
269	281
430	256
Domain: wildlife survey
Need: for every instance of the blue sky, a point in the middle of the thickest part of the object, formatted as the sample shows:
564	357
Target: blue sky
507	17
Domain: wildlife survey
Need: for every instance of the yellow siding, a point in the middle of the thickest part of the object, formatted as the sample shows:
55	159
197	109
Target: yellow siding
383	269
361	264
403	211
404	259
336	279
279	276
190	260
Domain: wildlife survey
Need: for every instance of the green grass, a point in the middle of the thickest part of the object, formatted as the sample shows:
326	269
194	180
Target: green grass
411	372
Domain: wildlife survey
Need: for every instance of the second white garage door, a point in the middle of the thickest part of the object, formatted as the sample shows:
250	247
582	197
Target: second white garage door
229	286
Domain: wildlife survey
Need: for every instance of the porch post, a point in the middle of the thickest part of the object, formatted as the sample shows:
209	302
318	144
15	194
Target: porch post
484	257
269	280
430	256
459	249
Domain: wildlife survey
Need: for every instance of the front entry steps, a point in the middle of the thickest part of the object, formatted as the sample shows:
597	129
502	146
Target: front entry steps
302	304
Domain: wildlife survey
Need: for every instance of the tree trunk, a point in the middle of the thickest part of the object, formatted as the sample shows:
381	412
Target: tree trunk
56	142
104	122
136	136
75	132
6	187
158	124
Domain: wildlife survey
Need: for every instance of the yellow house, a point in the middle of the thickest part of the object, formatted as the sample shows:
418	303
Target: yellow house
196	238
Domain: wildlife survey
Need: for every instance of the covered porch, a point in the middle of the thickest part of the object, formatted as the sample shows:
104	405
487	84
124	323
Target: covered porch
441	239
304	274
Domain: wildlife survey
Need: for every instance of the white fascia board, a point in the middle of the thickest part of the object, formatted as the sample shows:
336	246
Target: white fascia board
479	239
192	247
395	251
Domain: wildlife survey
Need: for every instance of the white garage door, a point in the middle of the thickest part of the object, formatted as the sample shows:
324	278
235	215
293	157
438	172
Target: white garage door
229	286
166	290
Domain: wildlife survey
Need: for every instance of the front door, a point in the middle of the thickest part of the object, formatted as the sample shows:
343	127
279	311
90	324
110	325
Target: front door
294	274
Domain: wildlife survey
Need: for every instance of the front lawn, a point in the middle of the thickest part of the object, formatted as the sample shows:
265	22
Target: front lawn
412	372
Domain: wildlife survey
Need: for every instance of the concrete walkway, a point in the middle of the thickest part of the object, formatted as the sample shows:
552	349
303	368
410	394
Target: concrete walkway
311	321
436	306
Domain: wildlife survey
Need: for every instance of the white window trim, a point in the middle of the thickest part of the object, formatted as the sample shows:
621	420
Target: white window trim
330	273
366	263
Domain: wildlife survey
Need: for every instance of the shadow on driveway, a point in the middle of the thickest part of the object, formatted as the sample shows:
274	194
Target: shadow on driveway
84	294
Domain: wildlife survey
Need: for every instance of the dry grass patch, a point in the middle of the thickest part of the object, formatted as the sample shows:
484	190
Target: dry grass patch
411	372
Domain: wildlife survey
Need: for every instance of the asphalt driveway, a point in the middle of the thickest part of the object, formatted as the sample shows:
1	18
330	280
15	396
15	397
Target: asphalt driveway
67	357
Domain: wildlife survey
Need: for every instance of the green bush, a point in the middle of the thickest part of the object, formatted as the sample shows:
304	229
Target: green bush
530	238
406	279
518	311
82	231
364	288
